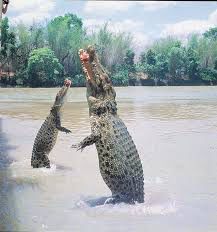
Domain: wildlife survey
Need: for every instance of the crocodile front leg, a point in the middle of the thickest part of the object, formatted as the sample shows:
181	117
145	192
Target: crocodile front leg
92	138
89	140
59	127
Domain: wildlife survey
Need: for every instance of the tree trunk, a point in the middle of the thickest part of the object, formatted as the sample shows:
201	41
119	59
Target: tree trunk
155	81
63	59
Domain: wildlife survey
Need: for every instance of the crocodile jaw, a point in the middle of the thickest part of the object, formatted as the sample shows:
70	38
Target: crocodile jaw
61	95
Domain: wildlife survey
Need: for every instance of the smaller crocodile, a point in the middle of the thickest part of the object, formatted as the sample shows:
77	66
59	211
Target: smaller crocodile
47	134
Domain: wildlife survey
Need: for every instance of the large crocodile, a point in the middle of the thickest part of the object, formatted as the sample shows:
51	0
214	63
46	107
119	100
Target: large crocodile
119	161
47	134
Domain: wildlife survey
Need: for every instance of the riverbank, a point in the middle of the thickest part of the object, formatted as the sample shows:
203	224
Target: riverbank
151	82
141	83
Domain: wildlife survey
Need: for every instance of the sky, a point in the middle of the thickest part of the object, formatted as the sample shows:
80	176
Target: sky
145	20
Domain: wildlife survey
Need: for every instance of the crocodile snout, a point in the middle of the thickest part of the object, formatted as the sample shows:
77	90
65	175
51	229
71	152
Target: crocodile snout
67	83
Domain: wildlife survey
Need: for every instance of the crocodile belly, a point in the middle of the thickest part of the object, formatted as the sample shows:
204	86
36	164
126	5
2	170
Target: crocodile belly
119	162
43	144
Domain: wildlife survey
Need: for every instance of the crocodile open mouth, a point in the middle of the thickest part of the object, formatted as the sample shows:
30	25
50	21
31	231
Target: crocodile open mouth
85	58
64	89
67	83
61	95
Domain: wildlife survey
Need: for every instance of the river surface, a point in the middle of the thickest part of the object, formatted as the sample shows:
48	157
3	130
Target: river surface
175	131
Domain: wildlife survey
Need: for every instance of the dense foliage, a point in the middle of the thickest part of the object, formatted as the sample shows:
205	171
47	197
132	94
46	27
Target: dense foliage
167	61
43	55
44	68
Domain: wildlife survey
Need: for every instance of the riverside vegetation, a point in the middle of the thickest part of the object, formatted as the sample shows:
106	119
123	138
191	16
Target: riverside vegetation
43	55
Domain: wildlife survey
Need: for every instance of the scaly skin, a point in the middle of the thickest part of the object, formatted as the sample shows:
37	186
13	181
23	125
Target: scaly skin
119	162
47	134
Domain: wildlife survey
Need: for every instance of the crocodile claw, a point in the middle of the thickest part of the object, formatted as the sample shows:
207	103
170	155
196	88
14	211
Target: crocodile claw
74	146
67	131
77	146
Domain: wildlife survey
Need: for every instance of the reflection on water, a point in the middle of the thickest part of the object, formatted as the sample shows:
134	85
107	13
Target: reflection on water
174	129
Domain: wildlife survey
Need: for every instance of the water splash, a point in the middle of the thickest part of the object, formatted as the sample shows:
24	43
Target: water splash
96	207
22	170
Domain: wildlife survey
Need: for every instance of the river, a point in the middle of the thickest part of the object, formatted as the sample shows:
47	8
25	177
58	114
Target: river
175	130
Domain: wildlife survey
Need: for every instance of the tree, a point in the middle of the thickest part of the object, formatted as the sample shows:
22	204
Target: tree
8	40
78	80
161	68
209	74
129	61
4	35
37	36
176	63
193	42
164	46
44	69
150	66
192	64
207	52
165	60
150	57
211	33
111	46
120	78
142	58
8	49
65	36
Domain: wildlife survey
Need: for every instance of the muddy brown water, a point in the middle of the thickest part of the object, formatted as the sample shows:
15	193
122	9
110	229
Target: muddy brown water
175	130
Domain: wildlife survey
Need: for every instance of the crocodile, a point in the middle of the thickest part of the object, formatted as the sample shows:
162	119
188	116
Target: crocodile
119	162
47	134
